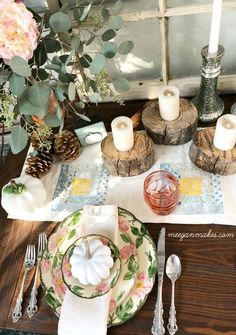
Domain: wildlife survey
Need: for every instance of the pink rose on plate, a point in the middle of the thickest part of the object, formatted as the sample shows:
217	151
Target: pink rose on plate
45	265
59	286
123	224
112	304
143	285
18	31
127	251
103	287
67	267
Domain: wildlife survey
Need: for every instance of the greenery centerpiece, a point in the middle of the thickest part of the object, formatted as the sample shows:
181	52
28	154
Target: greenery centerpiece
48	68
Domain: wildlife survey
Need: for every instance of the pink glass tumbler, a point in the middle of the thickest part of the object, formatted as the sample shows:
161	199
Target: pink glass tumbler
161	192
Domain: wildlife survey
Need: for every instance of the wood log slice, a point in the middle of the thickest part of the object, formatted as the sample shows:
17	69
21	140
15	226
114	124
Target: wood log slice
174	132
129	163
208	158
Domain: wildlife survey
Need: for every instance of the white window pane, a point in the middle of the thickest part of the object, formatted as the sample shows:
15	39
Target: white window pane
189	34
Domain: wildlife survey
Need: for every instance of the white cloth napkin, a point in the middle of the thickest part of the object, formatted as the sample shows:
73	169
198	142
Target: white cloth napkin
81	316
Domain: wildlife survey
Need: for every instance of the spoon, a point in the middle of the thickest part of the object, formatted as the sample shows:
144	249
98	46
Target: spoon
173	271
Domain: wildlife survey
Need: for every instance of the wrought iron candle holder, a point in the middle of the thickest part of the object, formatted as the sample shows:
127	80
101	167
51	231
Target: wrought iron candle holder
207	102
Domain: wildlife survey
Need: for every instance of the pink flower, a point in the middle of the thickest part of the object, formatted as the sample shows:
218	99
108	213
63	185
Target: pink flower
45	265
67	267
59	286
112	304
103	287
18	31
56	238
127	251
143	285
123	224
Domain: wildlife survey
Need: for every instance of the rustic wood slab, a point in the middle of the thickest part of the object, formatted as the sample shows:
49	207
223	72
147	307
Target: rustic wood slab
175	132
128	163
208	158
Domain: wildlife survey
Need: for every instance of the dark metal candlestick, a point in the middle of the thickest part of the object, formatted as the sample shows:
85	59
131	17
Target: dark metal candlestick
207	102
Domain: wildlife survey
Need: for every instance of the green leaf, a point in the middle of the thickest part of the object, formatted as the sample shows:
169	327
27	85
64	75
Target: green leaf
125	237
71	91
71	234
4	73
40	54
118	7
18	139
97	64
128	306
56	60
60	22
85	61
108	35
53	67
83	117
125	316
77	12
109	49
77	289
59	112
16	84
125	47
55	261
139	242
75	217
52	120
116	22
75	43
135	231
143	230
59	93
121	84
52	45
152	269
80	105
38	94
128	275
52	301
85	12
27	108
90	40
105	14
40	73
20	66
95	98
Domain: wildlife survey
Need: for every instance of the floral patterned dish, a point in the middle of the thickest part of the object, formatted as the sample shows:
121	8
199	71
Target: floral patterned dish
127	303
91	291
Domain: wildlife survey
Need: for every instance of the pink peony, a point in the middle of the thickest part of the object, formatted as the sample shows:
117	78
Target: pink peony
45	265
18	31
127	251
123	224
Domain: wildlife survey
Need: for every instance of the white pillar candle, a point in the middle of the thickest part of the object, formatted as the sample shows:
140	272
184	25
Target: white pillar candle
215	28
169	103
225	133
123	134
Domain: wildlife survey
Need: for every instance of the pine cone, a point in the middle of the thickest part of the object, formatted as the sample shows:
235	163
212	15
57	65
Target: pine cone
66	146
36	144
39	165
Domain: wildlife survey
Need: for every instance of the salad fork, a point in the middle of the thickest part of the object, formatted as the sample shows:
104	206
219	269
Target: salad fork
28	264
32	307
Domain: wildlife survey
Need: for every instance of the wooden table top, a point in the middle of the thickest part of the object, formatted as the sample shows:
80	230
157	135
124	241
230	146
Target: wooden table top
205	293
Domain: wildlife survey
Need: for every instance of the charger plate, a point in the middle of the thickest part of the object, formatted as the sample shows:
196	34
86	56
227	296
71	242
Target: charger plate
138	245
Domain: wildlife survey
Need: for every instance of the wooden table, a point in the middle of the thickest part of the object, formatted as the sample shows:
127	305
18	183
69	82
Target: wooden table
205	293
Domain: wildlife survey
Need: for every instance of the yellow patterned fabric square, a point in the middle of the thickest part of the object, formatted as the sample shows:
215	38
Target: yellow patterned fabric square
80	186
191	186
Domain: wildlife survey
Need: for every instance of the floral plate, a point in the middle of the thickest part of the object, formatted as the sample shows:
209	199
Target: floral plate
135	234
91	291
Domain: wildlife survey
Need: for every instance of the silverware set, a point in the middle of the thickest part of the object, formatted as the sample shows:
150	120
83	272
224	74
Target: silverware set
29	263
173	272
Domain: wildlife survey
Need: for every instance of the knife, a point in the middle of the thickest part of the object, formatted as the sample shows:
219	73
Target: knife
158	322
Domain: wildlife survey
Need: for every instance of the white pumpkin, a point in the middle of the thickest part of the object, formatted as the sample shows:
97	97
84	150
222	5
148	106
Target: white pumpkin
91	262
24	194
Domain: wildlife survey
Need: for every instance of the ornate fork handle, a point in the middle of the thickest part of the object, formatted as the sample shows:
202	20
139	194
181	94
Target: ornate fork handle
17	311
32	307
158	322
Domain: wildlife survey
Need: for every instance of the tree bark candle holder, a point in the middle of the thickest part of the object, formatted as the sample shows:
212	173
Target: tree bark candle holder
174	132
204	155
128	163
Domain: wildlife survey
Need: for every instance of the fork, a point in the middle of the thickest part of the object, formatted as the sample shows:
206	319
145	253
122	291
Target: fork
28	264
32	307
